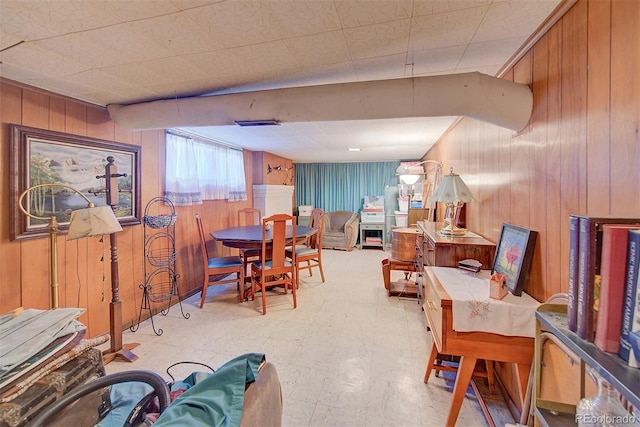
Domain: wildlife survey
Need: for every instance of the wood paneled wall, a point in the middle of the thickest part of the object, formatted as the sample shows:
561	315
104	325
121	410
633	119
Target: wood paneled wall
262	161
580	152
24	265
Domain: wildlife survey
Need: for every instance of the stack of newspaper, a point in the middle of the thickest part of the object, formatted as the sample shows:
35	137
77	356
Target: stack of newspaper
36	342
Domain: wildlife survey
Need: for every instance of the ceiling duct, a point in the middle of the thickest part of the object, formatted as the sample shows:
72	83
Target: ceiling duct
475	95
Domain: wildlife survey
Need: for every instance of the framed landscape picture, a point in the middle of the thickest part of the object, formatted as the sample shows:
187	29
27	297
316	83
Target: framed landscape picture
41	156
513	255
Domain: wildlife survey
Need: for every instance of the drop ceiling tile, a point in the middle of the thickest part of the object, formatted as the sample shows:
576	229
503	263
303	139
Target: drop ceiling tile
134	74
516	18
361	13
36	58
295	18
129	42
445	29
193	87
125	95
378	40
323	48
170	70
249	26
482	54
189	4
248	60
169	32
7	40
88	49
19	73
381	68
129	11
34	20
436	60
99	81
64	86
430	7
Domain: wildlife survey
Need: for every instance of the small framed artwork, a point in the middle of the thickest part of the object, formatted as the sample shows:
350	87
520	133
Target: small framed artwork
513	256
40	156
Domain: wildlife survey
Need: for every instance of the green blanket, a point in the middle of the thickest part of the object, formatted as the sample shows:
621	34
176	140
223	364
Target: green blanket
216	400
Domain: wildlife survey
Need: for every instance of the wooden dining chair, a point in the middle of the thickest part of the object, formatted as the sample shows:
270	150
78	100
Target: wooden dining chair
249	216
274	269
218	269
309	255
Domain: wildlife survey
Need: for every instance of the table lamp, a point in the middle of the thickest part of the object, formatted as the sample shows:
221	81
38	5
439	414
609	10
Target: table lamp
451	191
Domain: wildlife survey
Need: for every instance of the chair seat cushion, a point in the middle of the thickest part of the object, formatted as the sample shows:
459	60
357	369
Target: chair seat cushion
227	261
303	250
268	264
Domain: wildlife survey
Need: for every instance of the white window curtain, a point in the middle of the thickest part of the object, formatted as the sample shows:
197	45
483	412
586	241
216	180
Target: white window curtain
197	171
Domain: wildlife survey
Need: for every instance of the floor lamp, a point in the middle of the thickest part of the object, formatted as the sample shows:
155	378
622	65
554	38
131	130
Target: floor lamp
97	220
85	222
410	173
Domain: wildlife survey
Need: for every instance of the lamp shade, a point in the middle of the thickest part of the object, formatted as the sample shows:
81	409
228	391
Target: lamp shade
409	179
93	221
451	190
411	172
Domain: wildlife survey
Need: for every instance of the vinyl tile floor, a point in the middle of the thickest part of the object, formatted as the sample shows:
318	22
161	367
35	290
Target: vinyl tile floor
349	355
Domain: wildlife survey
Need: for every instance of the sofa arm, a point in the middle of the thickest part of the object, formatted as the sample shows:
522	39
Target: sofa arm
351	230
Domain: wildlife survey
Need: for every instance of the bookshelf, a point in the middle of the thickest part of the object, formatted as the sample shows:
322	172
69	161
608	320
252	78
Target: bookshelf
552	318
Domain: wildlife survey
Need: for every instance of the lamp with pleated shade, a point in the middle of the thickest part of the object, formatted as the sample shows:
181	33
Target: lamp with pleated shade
451	191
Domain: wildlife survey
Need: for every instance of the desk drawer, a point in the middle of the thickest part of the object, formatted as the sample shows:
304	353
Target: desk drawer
433	310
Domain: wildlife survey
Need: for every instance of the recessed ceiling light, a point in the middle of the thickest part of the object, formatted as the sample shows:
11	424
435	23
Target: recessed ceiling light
353	149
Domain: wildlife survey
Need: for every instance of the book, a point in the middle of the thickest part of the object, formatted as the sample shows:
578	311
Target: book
613	266
572	293
631	295
470	265
589	251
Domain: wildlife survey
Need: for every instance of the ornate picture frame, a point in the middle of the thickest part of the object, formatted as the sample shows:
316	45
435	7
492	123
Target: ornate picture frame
514	253
41	156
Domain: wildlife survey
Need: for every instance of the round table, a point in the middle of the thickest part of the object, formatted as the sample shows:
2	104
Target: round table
250	236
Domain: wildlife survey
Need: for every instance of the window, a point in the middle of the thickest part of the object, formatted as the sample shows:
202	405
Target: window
198	171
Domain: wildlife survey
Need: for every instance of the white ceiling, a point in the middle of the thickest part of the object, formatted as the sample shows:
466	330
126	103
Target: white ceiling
128	51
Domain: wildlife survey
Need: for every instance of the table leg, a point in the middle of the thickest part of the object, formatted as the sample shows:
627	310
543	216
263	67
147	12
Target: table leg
522	378
465	371
490	375
432	359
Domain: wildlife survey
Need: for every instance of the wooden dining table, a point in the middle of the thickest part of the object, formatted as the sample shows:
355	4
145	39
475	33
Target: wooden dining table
250	236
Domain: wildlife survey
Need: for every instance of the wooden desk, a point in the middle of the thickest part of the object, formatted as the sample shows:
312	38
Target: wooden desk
446	251
469	346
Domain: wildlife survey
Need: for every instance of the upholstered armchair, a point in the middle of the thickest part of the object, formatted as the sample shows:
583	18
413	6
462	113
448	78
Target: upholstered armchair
340	230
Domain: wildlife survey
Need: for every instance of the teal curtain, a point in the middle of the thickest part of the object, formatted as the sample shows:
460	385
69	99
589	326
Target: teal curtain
342	186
